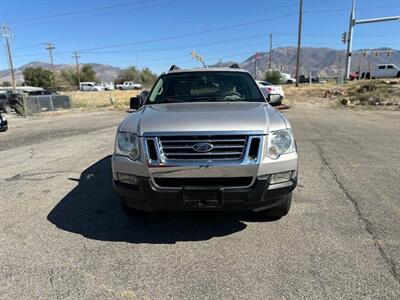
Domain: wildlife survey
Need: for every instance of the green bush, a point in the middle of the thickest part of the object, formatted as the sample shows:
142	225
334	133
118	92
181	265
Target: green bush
273	77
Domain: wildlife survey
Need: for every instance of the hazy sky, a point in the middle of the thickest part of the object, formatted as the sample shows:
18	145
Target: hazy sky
158	33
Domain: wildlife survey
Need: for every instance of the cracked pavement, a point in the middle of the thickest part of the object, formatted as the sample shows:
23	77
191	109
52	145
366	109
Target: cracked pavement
63	233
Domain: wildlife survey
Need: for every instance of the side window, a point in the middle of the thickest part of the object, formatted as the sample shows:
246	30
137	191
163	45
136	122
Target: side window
390	67
158	90
381	67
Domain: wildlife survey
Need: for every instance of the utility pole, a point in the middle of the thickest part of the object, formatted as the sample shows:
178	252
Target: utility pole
256	60
270	52
51	47
354	22
6	34
299	44
78	72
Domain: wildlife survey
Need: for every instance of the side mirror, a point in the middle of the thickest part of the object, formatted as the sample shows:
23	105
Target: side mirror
274	100
135	103
143	95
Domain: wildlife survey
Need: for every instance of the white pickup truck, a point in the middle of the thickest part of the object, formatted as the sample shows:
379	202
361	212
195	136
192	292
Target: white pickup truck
128	85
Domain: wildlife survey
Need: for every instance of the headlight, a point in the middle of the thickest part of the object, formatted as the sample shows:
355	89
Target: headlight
3	117
280	142
127	144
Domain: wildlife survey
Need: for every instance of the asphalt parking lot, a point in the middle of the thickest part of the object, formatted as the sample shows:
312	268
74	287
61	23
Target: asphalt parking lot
63	233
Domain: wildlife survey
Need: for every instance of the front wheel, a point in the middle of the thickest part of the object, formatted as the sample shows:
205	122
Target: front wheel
281	210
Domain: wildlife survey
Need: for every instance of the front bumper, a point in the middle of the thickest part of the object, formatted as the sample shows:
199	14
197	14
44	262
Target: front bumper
146	196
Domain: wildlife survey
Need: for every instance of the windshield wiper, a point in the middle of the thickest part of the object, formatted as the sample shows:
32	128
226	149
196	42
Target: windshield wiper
170	100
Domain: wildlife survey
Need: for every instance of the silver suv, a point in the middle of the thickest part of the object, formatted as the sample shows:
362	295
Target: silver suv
205	139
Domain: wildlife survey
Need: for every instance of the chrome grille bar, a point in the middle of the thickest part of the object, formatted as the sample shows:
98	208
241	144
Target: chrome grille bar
223	147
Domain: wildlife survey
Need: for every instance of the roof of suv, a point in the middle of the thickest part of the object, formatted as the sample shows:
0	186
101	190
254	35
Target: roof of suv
175	71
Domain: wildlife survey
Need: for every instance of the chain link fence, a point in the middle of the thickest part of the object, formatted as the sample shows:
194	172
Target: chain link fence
37	104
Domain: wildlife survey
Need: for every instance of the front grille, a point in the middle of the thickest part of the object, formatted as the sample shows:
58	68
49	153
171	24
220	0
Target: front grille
224	147
203	182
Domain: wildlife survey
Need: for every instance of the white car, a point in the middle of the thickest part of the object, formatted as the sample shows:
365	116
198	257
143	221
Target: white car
90	86
268	88
108	86
287	78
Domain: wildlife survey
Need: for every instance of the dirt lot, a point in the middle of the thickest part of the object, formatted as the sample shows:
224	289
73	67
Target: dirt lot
63	233
107	99
365	94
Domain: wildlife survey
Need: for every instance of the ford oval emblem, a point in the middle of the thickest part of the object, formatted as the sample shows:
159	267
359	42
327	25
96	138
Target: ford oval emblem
202	147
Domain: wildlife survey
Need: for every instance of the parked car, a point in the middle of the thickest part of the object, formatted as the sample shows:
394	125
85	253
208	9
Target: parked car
287	78
41	93
273	93
304	79
108	86
205	139
90	86
5	103
354	76
128	85
3	122
382	71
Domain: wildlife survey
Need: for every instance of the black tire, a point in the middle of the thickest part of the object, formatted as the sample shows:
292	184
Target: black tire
281	210
368	76
7	108
398	75
289	82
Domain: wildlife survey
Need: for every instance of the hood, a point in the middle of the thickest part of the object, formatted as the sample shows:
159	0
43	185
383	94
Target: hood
201	117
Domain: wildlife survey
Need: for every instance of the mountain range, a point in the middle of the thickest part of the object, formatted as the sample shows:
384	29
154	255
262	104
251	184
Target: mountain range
323	62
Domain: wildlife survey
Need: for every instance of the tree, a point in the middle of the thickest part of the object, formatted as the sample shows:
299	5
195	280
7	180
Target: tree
129	74
69	77
6	84
38	76
87	73
147	77
273	77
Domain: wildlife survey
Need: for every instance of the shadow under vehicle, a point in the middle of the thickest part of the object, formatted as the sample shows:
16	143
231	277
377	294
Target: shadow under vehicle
93	210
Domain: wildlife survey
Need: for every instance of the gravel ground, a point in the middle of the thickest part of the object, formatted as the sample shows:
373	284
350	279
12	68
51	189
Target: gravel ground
63	233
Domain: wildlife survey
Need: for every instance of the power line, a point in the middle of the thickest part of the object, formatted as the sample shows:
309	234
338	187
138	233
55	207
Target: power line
80	11
309	12
191	34
102	14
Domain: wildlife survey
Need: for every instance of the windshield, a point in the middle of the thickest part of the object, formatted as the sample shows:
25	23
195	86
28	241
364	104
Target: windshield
205	87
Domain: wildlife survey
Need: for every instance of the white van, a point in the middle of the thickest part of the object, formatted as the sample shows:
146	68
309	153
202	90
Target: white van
384	71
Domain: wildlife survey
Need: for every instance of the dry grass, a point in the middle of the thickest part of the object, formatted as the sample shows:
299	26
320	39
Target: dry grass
107	99
366	93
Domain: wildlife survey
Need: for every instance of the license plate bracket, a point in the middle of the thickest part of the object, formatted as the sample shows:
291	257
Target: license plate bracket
202	197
